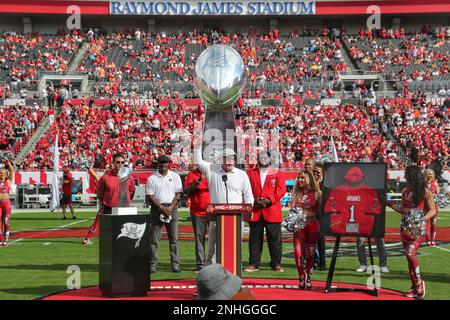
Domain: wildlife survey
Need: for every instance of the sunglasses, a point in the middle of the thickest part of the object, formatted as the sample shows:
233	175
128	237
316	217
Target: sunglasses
120	162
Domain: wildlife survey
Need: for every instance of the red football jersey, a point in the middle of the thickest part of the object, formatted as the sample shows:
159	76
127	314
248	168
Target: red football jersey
199	199
67	187
352	209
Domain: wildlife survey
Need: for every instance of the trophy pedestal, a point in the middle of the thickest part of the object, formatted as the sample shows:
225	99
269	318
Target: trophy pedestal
124	211
124	257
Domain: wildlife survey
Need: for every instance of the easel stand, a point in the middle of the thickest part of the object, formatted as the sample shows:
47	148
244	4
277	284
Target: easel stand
333	265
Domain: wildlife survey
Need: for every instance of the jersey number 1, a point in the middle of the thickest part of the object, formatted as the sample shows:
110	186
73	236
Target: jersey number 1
352	214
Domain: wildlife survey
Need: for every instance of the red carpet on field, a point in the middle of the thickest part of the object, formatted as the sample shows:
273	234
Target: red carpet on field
263	289
186	233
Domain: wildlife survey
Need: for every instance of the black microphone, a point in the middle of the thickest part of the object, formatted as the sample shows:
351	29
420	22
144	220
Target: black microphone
225	179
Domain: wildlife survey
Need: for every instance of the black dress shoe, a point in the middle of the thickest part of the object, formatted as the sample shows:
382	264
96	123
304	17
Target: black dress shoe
176	270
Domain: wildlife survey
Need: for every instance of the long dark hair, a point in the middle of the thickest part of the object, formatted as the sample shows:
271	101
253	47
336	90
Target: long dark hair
416	181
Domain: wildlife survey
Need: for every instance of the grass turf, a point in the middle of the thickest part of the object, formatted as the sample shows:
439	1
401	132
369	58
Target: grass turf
30	268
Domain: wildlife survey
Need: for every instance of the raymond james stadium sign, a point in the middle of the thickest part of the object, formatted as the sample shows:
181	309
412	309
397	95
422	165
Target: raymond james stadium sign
193	7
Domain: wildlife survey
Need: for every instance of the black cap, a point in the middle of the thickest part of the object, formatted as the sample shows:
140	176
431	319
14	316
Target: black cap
163	159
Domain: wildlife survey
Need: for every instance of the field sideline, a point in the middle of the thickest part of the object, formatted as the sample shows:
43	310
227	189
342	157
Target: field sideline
36	266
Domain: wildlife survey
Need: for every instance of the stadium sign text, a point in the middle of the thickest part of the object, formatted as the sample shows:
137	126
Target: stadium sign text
194	7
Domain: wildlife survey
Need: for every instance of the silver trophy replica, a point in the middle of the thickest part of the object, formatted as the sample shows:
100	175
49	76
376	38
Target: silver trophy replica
295	221
413	224
123	205
220	77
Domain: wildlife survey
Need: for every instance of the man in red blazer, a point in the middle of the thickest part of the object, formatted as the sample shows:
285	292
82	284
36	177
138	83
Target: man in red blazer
268	187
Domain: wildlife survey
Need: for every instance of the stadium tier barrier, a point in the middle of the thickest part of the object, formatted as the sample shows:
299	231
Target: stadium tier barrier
44	178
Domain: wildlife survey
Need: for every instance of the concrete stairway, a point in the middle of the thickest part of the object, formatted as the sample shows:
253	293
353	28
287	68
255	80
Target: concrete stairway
79	56
34	140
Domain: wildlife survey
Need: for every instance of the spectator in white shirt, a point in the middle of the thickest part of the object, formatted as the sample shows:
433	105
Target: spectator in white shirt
156	124
163	191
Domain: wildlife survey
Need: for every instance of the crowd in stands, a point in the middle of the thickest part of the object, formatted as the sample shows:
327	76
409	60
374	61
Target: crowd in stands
423	55
120	60
305	131
89	136
17	124
304	64
419	127
23	56
164	57
385	131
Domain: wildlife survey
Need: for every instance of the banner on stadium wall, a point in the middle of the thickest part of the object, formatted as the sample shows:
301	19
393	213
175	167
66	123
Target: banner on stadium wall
139	102
207	8
19	102
13	102
436	101
330	102
252	102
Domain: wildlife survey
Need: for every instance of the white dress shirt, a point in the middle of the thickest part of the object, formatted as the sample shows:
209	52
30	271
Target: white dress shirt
238	183
165	187
263	173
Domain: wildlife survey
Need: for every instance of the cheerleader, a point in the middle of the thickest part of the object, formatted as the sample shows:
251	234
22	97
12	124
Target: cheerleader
415	196
6	177
306	195
433	186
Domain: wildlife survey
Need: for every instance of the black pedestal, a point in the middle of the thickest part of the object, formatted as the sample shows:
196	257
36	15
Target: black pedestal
124	255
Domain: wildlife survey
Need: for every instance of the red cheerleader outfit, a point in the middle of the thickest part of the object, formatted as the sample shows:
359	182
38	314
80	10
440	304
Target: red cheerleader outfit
5	210
305	240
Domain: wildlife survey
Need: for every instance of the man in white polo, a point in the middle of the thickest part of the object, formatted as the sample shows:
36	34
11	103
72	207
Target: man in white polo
163	191
227	184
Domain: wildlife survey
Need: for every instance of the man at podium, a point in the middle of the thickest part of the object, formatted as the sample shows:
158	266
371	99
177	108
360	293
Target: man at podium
227	184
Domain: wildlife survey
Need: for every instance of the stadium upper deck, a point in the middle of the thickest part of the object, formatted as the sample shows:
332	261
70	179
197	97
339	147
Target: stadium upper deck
30	15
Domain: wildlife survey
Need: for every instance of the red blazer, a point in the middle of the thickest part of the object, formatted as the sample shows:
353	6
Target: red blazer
274	188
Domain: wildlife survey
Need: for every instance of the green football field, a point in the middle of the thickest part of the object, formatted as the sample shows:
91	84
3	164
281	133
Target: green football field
36	266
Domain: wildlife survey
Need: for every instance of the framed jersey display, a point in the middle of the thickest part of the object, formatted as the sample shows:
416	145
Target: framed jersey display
354	199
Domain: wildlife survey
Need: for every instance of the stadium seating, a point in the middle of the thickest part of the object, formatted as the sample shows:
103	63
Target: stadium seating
17	124
405	57
303	64
304	132
23	58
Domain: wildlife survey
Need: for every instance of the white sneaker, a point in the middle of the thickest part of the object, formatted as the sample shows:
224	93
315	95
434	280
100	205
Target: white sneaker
384	270
361	269
87	242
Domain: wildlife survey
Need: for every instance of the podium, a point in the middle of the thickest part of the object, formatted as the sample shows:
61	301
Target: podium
124	255
229	233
